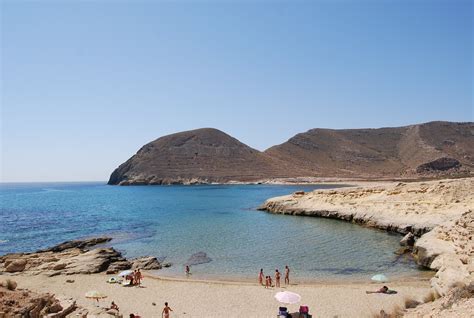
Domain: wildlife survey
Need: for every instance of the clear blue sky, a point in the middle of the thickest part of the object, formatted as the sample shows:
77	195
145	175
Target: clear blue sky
86	83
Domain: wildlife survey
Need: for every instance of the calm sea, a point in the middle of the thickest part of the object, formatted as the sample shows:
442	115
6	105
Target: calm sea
174	222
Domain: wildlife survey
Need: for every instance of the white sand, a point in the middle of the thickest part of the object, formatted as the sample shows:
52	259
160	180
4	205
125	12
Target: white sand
226	299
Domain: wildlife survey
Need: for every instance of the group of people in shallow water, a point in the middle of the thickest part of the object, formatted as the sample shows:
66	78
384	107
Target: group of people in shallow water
268	278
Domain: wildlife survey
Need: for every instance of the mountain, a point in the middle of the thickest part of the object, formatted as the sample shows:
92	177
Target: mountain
209	155
382	152
197	156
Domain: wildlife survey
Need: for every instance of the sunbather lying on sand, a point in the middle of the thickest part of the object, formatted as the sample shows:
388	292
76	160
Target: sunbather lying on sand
383	290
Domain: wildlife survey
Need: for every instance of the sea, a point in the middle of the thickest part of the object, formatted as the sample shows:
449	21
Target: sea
174	222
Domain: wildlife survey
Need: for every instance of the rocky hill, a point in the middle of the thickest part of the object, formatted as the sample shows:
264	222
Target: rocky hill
210	156
434	148
197	156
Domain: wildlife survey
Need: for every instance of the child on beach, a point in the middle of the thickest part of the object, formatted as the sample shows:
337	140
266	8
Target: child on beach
166	311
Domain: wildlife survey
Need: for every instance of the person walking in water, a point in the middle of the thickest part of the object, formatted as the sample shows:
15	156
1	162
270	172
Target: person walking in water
277	278
166	311
260	277
287	275
188	270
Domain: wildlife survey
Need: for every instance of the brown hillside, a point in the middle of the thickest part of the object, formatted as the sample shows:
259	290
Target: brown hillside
197	156
383	152
208	155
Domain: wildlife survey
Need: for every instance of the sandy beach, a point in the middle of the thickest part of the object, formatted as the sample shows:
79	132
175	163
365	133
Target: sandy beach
191	298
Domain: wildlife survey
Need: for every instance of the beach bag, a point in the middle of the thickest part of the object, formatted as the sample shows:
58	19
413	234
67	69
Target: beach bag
304	309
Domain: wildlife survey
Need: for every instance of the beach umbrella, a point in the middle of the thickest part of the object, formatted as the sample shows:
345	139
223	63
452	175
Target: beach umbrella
381	278
94	294
125	273
287	297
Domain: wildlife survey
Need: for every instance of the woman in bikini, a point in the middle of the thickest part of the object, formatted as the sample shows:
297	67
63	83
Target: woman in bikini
260	277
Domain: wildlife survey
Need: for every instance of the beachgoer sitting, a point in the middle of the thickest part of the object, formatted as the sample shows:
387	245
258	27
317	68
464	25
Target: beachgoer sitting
113	305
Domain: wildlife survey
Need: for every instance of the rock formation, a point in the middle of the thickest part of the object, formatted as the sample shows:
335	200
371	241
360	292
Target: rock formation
208	155
74	257
24	303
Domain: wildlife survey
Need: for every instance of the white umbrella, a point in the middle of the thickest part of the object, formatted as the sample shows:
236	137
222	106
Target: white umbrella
381	278
125	273
287	297
94	294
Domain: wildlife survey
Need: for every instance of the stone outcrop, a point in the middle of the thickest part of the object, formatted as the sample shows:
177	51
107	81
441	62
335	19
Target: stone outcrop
449	249
146	262
24	303
440	164
80	244
208	155
74	257
415	207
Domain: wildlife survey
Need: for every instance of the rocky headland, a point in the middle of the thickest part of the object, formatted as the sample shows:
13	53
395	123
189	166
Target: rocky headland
207	155
439	213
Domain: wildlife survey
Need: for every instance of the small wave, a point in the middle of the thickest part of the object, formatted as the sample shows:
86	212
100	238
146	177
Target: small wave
3	241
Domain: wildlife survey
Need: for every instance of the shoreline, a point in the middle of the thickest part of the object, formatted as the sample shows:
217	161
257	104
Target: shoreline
421	276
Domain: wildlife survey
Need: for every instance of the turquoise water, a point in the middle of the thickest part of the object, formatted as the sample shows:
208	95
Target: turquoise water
174	222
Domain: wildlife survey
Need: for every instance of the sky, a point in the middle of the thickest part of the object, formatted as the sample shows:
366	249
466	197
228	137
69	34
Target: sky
84	84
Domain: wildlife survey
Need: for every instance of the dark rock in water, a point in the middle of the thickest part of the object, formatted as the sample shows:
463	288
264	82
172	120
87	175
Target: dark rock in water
408	240
198	258
81	244
441	164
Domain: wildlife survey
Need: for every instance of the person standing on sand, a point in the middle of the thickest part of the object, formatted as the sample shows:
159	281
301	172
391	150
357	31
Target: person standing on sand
287	275
270	283
138	277
260	277
166	311
266	281
135	277
277	278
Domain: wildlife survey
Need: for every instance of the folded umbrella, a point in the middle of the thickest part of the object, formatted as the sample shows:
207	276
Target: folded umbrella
125	273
